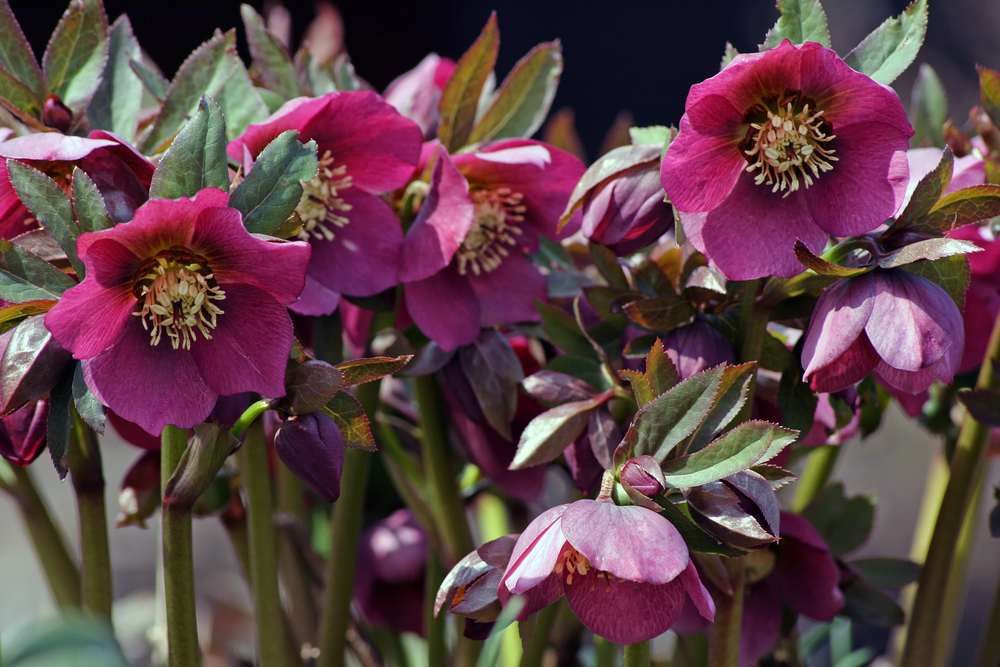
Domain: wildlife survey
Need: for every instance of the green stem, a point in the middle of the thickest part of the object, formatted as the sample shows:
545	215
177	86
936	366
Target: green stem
752	329
248	417
965	470
88	483
61	571
252	457
989	649
304	615
178	561
604	652
534	652
817	473
724	633
436	628
446	501
345	528
637	655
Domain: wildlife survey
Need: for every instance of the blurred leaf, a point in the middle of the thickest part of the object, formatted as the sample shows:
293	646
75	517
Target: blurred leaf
563	331
949	273
116	102
241	102
19	94
16	56
270	57
601	299
874	401
63	641
90	409
801	21
310	386
845	524
928	108
891	47
560	132
26	277
491	647
639	347
75	56
727	56
587	369
88	204
733	452
864	604
47	201
796	401
654	134
196	159
989	93
350	417
151	79
60	424
461	94
661	313
883	572
493	371
547	435
554	388
359	371
983	404
659	377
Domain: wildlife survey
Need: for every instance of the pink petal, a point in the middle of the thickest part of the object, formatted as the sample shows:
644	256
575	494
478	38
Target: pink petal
538	597
624	612
837	322
507	294
445	308
982	304
761	622
910	382
697	592
51	146
536	552
315	299
852	366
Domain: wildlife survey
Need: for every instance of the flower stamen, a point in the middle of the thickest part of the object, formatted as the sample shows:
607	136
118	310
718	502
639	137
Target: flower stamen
320	206
493	229
571	562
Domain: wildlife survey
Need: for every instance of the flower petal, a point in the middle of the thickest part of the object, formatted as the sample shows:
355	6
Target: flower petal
624	612
761	622
806	574
51	146
315	299
313	449
536	552
445	308
507	294
837	322
697	592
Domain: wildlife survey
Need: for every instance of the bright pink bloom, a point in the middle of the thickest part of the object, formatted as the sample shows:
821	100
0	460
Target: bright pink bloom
786	144
625	571
464	265
179	306
366	149
417	94
902	326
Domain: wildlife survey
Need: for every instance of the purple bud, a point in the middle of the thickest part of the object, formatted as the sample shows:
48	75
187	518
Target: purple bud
697	346
644	475
23	433
55	114
313	448
417	93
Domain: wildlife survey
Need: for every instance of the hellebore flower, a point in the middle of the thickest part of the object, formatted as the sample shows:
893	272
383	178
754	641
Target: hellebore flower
902	326
836	420
366	149
417	94
463	264
697	346
625	571
389	585
786	144
24	432
181	303
312	447
982	299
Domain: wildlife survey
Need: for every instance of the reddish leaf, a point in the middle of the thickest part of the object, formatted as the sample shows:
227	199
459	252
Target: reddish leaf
359	371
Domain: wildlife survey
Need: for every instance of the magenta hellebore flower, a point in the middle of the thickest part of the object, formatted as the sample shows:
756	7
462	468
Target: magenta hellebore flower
24	432
900	325
697	346
625	571
366	149
179	306
463	263
982	299
786	144
389	585
417	94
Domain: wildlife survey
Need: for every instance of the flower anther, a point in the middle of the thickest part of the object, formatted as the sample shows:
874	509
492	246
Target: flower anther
320	206
495	226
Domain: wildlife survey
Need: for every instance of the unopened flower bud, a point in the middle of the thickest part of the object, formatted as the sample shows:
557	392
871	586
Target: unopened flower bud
644	475
24	432
313	448
55	114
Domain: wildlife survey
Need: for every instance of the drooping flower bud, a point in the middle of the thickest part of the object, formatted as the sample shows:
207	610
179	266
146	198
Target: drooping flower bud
23	433
313	448
697	346
55	114
416	94
644	475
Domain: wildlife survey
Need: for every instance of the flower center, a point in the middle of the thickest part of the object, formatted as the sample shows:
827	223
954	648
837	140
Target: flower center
320	207
175	290
571	562
492	230
787	142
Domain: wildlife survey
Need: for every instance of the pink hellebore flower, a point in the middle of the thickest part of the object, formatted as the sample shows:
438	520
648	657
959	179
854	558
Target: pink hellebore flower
366	149
902	326
786	144
625	571
179	306
982	299
463	263
417	94
697	346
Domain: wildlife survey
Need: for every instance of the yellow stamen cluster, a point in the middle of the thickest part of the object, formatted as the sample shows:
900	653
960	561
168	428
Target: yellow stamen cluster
786	143
176	291
320	204
571	562
494	227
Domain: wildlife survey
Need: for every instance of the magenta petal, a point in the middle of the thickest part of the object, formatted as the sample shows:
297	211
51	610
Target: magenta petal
51	146
249	347
507	294
538	597
536	551
313	449
631	542
445	219
761	622
910	382
624	612
149	385
852	366
697	592
806	573
445	308
837	321
315	299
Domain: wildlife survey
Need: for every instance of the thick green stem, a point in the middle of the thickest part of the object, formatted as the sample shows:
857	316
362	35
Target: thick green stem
178	562
436	628
752	329
61	571
304	614
88	483
604	652
637	655
724	633
256	479
989	649
345	528
534	652
817	473
446	501
965	470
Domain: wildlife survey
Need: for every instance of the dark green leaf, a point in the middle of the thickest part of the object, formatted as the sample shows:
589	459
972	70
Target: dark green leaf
874	401
151	79
350	417
91	410
882	572
493	371
801	21
733	390
695	538
196	159
989	93
660	375
360	371
845	524
310	386
564	332
88	204
601	297
60	423
270	57
26	277
206	452
607	264
75	56
16	55
524	98
891	47
962	207
651	279
928	108
734	452
116	103
461	96
774	356
548	434
587	369
19	94
796	401
661	313
241	102
864	604
32	363
983	404
639	347
47	201
930	249
272	189
950	274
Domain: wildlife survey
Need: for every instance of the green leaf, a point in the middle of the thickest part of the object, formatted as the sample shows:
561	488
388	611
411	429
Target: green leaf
728	55
204	456
240	102
26	277
524	98
359	371
654	134
695	538
60	423
204	72
883	572
547	435
962	207
88	204
660	376
735	451
350	417
820	265
930	249
75	56
607	264
151	79
268	195
796	401
801	21
949	273
491	647
864	604
62	641
928	108
929	190
733	391
891	47
116	103
601	299
91	410
989	93
16	56
19	94
845	524
196	159
494	372
661	313
461	96
564	332
587	369
275	66
47	202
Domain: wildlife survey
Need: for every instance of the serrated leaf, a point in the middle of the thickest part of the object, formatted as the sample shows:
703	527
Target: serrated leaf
661	313
962	207
273	188
240	102
359	371
494	372
733	390
610	165
547	435
929	190
88	204
820	265
461	95
60	423
310	386
564	332
930	249
524	98
928	108
16	56
883	572
659	377
90	409
989	93
270	57
350	417
204	72
983	404
734	452
18	94
47	201
75	56
151	80
949	273
801	21
26	277
115	106
891	47
196	159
